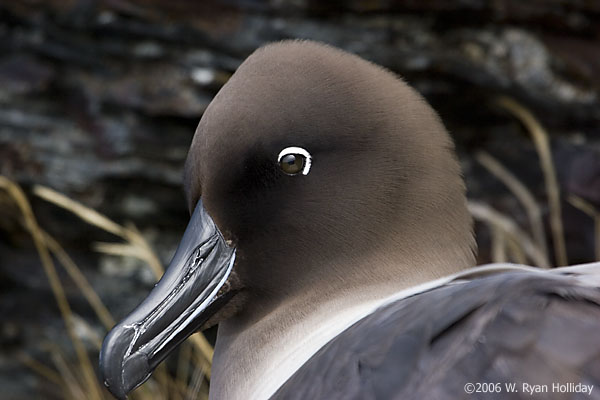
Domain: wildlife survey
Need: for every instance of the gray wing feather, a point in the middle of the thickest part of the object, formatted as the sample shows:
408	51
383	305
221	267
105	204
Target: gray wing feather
516	327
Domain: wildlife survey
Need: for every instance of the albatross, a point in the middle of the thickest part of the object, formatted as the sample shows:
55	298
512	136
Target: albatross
330	240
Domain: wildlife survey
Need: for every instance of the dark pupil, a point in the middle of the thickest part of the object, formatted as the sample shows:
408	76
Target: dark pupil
292	163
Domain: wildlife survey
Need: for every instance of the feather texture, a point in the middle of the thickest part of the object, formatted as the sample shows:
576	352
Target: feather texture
515	327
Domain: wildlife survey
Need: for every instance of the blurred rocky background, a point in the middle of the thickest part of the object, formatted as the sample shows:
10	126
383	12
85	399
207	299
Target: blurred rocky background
99	100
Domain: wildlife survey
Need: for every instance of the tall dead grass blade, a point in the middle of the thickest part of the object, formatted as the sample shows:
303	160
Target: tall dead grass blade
542	145
40	368
117	249
516	251
15	192
87	214
195	388
205	351
135	237
82	283
497	220
183	365
130	234
498	245
72	384
523	195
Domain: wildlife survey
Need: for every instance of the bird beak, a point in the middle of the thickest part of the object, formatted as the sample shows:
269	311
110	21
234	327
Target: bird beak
193	288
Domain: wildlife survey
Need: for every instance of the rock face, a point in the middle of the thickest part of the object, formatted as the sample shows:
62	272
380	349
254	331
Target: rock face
100	99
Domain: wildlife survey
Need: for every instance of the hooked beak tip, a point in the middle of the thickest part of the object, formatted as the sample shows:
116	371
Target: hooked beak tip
122	372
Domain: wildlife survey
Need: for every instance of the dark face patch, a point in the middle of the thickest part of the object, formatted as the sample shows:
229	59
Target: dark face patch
247	194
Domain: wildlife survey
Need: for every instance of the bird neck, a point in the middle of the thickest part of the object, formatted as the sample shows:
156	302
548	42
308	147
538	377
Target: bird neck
256	352
307	305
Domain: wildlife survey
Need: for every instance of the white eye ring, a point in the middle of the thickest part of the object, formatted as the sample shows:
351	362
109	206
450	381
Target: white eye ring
297	150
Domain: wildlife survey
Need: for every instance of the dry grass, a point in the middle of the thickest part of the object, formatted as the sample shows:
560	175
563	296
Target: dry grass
533	210
509	242
134	243
30	223
506	235
542	145
80	381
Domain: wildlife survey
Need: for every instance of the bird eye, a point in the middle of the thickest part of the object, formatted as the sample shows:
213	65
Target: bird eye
292	163
294	160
